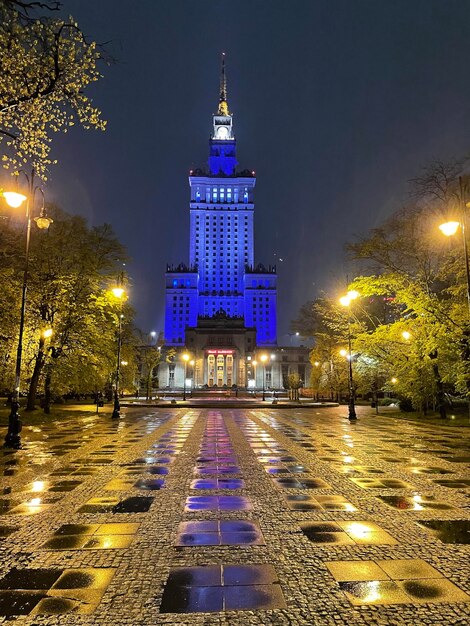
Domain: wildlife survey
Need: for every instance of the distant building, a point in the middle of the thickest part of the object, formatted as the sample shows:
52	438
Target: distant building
222	307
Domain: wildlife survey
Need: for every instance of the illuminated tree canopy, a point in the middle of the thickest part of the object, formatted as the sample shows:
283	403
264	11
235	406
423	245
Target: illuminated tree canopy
46	67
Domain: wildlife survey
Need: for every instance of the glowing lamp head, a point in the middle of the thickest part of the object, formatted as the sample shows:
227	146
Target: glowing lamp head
394	380
47	333
343	352
406	335
316	364
264	358
449	228
255	363
118	292
185	357
43	222
124	363
349	297
191	363
14	199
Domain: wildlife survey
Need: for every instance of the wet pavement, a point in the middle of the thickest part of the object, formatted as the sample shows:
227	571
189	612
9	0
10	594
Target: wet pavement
236	516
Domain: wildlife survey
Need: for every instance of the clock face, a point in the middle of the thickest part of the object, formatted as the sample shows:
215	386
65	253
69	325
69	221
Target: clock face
222	132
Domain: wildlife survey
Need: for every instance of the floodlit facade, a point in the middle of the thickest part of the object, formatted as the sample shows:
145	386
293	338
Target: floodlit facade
221	307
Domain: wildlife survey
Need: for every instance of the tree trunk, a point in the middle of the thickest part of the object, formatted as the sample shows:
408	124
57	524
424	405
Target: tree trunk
33	385
465	352
149	383
440	397
47	392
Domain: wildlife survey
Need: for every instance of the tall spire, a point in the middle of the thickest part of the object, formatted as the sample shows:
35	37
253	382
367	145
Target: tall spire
223	104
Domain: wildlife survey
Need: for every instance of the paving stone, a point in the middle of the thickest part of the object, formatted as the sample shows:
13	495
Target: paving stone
378	556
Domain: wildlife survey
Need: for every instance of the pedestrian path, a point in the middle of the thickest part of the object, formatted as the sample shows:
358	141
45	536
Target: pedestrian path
236	516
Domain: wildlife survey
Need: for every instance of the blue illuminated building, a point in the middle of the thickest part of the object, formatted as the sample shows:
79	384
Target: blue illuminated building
221	285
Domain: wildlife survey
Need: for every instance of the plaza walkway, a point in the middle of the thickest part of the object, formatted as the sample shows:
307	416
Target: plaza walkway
236	516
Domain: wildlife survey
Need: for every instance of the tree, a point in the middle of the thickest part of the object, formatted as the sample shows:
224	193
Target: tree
47	65
294	383
425	280
327	323
151	355
410	328
72	268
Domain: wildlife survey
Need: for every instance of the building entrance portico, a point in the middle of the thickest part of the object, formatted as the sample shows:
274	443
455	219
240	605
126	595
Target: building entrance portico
220	368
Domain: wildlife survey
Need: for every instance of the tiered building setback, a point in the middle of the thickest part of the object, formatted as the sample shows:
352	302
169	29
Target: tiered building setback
221	307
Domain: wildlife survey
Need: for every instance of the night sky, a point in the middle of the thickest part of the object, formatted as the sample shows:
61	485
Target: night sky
336	103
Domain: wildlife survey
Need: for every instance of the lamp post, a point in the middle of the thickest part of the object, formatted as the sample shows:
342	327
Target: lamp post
185	360
192	377
346	302
264	358
254	363
118	293
15	200
450	228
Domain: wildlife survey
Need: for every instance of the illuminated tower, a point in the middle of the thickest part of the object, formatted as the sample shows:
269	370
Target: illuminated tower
221	280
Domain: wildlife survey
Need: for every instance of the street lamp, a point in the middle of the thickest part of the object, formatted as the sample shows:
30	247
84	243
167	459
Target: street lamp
450	228
185	359
118	293
15	200
346	302
264	358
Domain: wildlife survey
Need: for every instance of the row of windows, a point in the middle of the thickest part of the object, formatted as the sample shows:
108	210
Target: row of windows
235	250
228	219
213	284
222	227
220	193
223	232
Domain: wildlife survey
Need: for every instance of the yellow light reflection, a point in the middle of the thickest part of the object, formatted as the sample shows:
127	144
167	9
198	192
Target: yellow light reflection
38	485
349	507
358	530
416	503
372	592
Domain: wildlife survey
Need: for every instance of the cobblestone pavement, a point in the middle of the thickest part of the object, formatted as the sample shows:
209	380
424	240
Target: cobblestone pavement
233	516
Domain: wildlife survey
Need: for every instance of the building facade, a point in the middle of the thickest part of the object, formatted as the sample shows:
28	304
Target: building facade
221	307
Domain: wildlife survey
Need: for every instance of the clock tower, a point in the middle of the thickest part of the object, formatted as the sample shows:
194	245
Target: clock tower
221	306
222	144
